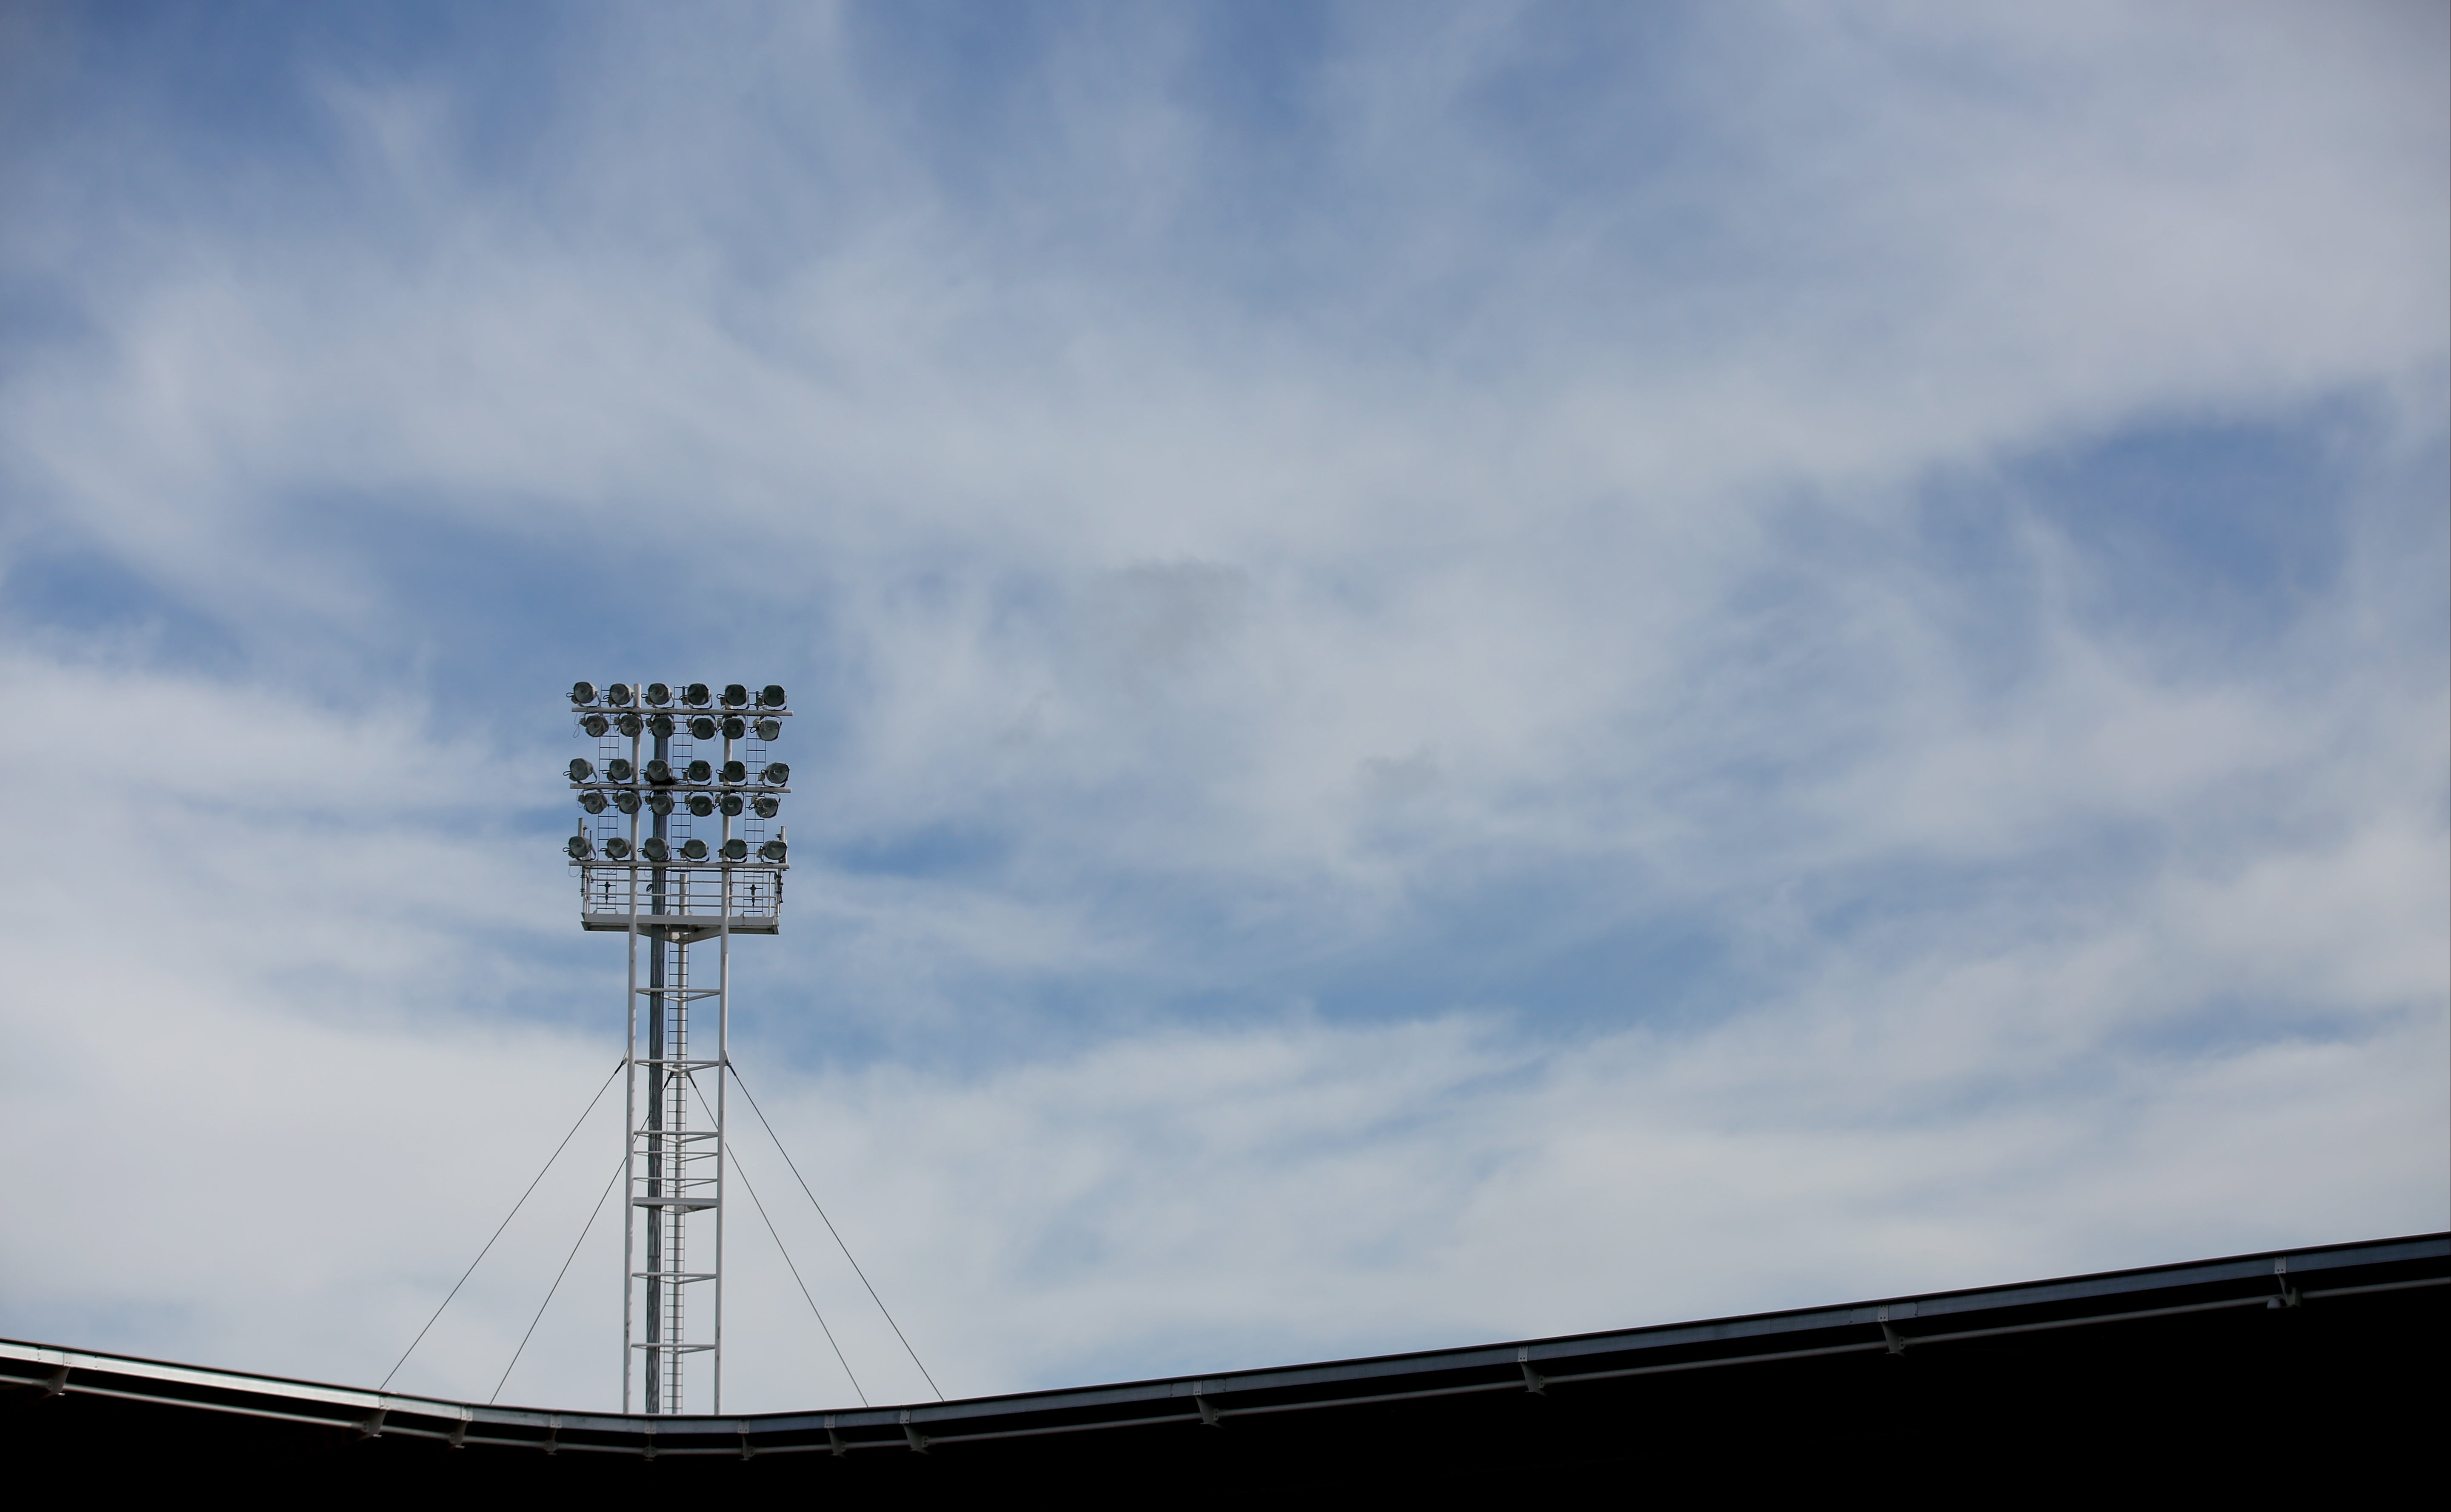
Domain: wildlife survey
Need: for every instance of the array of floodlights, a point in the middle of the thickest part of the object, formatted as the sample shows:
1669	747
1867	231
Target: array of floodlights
699	786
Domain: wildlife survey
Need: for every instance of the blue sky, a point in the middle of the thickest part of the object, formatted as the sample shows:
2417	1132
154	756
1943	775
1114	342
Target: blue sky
1463	670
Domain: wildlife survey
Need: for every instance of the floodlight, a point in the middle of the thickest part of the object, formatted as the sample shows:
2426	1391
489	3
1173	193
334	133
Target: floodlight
692	849
694	695
626	801
770	729
735	694
629	724
771	697
773	850
735	772
580	769
767	805
595	725
582	693
735	727
618	848
702	728
660	726
701	805
660	801
658	693
735	850
579	848
659	770
699	772
617	696
730	804
592	801
655	850
619	770
778	773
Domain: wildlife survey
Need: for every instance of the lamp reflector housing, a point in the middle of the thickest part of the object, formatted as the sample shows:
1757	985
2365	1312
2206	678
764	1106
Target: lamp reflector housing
582	693
767	805
629	724
699	772
694	695
735	727
579	848
655	850
659	770
735	850
735	772
660	726
617	696
660	801
692	849
701	805
659	694
592	801
735	694
580	769
702	728
778	773
626	801
770	729
771	697
595	725
731	804
620	769
617	848
773	850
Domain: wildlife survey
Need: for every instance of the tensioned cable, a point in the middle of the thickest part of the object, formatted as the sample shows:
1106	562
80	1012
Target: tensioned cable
733	1151
584	1230
837	1233
506	1222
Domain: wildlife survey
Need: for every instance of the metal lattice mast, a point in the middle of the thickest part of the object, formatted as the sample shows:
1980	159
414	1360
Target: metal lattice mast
669	889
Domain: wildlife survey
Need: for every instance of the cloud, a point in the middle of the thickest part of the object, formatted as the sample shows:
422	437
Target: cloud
1459	673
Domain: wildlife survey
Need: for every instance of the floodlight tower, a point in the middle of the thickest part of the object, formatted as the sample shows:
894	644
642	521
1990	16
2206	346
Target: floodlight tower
669	889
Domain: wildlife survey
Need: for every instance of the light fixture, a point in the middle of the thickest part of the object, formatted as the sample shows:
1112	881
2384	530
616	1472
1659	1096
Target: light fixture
595	725
629	724
660	726
773	850
735	772
579	848
692	849
580	769
617	696
778	773
701	805
735	694
699	772
658	770
620	769
655	850
626	801
767	805
658	693
702	728
694	695
582	693
770	729
618	848
592	801
735	848
660	801
735	727
730	805
771	697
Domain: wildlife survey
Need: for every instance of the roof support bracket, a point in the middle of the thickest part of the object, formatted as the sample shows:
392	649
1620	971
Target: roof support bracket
370	1426
2288	1297
56	1384
917	1439
1209	1417
1534	1380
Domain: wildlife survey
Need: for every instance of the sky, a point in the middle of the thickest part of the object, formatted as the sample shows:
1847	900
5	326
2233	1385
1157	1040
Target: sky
1461	671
